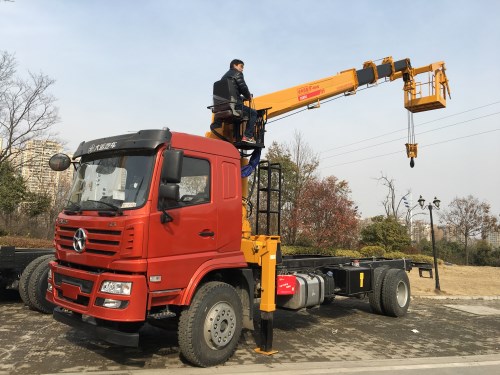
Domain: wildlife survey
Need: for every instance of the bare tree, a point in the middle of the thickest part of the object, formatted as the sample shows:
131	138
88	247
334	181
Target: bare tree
27	109
391	203
7	68
468	218
396	208
299	164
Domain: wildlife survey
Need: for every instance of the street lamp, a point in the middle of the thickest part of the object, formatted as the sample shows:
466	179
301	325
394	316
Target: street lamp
435	203
410	215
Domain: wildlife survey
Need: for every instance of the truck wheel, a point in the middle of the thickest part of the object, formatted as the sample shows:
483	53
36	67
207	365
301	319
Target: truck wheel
26	275
396	293
209	330
375	297
37	288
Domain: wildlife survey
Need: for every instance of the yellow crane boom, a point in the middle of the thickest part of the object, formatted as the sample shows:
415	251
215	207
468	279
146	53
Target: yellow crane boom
347	82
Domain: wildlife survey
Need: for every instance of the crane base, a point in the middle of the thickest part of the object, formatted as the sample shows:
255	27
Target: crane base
269	353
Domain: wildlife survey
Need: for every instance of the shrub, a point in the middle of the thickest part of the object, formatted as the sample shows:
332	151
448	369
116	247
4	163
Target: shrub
411	250
372	251
304	250
485	257
397	255
420	258
348	253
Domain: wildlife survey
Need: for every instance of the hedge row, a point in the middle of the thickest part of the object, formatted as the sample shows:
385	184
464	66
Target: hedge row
365	252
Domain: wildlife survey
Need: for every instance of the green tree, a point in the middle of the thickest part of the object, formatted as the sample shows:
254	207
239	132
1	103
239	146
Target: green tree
385	232
37	204
12	191
447	250
484	255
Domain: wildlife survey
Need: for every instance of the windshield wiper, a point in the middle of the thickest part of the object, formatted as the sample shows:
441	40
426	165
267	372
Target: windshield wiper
117	209
76	211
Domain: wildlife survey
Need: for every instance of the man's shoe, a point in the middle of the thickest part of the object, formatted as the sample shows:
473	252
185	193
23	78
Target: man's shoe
248	140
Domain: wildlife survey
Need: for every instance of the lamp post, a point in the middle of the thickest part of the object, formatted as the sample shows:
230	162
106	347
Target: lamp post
435	203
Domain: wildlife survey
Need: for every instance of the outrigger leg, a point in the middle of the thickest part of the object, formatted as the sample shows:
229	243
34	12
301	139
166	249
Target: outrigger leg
266	334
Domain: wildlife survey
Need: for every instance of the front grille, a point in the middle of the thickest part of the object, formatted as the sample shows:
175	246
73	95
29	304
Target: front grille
99	241
96	231
104	242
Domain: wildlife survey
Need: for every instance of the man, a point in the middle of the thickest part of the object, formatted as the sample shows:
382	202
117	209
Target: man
235	75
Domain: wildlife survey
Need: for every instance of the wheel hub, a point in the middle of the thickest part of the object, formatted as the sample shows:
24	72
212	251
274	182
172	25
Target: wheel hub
402	294
219	325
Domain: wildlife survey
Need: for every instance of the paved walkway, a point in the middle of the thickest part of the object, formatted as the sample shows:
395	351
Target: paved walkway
342	337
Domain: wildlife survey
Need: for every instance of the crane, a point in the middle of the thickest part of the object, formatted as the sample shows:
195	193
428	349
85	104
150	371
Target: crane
228	123
419	96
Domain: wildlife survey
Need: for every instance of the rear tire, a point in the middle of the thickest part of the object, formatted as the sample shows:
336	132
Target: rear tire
26	275
37	288
210	328
375	297
396	293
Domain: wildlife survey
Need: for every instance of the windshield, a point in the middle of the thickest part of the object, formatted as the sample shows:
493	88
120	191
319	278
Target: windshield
112	183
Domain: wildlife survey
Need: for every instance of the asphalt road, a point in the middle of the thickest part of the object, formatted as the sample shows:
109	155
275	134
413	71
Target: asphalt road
342	337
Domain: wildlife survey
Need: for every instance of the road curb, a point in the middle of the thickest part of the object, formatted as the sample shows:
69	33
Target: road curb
483	298
431	365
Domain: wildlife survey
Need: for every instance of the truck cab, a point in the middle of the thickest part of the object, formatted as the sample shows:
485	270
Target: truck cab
133	239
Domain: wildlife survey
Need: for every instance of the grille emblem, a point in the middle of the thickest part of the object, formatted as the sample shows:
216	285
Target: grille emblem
79	240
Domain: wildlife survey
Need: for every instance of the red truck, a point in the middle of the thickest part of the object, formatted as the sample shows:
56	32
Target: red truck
156	227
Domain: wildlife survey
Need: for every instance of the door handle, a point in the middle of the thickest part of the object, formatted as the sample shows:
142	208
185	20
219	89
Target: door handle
206	233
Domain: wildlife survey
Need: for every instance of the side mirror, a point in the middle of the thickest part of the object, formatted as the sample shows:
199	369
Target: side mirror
167	193
59	162
172	166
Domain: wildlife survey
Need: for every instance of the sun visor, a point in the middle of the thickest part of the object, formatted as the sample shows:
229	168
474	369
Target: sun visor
142	140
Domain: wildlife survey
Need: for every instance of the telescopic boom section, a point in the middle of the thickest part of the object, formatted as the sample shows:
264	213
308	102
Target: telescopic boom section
346	82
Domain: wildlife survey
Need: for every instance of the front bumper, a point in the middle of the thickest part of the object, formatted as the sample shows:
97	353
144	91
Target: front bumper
111	335
79	291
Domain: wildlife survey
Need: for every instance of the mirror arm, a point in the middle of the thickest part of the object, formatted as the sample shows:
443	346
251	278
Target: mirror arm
165	217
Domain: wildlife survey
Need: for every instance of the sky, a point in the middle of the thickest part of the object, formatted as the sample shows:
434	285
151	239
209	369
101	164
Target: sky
122	66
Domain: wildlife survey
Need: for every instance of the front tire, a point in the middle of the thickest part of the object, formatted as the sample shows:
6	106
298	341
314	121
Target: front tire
209	330
396	293
37	288
26	276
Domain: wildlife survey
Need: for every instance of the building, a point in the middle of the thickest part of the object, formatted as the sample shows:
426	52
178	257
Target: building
493	238
421	230
34	168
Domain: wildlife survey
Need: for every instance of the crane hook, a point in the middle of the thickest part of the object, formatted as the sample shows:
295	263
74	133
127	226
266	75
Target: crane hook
412	162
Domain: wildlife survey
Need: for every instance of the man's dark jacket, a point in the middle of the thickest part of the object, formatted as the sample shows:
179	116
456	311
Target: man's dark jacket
238	81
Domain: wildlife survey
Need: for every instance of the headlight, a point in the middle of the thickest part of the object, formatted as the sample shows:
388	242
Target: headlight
116	287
